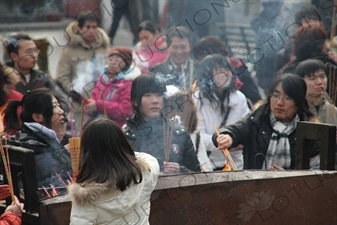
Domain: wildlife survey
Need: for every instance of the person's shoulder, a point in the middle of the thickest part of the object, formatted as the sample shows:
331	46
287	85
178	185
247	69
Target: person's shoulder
158	67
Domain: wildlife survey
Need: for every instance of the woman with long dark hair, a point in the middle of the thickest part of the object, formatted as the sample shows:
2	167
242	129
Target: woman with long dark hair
268	133
114	183
32	120
219	103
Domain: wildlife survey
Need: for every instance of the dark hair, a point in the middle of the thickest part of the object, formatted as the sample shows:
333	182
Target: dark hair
307	11
296	89
107	157
207	85
12	44
86	16
149	26
308	42
308	67
146	83
209	45
179	32
36	101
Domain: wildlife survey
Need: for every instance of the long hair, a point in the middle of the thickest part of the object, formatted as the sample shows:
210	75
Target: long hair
107	157
38	101
296	89
207	86
146	83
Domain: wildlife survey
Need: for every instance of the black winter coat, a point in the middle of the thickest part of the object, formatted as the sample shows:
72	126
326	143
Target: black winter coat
148	137
254	132
50	158
38	79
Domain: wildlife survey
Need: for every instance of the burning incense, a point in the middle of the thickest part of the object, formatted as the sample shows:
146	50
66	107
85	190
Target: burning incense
75	144
5	161
225	152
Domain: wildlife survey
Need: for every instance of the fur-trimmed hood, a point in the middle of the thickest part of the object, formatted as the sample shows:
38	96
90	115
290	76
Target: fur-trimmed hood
107	196
72	35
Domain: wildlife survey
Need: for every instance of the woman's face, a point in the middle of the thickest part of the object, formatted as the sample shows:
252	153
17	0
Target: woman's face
116	64
58	116
222	77
283	107
151	105
147	38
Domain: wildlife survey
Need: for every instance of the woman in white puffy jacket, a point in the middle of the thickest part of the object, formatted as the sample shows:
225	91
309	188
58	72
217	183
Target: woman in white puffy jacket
219	103
114	184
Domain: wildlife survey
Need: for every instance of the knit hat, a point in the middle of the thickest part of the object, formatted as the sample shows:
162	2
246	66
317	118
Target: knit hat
124	52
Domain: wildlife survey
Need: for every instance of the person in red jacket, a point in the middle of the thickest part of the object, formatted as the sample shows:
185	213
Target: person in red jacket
111	95
12	215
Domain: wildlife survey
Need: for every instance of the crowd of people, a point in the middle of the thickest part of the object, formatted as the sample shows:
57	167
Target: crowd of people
152	109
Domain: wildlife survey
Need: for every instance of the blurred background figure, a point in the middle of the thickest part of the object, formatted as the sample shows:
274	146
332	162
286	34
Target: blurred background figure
152	48
272	20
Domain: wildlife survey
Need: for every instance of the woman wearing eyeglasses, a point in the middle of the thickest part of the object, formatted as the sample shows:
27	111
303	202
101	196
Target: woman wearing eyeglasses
268	133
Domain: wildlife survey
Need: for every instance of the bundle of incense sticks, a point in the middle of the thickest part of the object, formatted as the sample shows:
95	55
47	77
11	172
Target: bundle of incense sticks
167	132
226	154
75	148
5	161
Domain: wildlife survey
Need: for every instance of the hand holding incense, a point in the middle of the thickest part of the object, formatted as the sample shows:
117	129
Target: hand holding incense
226	154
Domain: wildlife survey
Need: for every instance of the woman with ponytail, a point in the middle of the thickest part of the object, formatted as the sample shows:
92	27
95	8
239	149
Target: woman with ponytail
39	112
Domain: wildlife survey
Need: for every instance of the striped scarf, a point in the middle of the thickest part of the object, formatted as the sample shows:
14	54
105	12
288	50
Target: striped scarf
278	152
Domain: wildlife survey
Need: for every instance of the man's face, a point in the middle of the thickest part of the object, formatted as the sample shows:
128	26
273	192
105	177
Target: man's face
26	57
316	83
179	50
89	31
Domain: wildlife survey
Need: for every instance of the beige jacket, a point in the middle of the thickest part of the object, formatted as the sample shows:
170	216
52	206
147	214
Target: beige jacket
102	204
326	113
80	63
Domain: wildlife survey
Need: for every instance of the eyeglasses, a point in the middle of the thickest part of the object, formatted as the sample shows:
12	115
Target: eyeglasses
32	51
276	96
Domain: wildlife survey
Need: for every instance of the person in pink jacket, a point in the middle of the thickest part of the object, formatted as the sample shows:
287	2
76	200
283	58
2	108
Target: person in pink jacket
152	48
111	95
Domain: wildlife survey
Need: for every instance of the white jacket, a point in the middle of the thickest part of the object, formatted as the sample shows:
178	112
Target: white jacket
100	204
208	116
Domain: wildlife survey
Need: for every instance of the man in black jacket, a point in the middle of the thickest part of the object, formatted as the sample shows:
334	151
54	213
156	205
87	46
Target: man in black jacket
23	55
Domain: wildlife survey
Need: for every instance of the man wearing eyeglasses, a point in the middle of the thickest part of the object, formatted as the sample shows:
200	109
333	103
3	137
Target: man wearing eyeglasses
23	55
